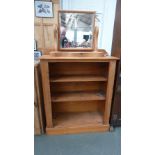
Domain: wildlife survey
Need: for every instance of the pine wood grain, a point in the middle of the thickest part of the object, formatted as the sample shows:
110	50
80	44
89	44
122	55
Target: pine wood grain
82	106
44	29
69	123
38	94
64	96
78	78
37	127
75	130
63	120
46	92
78	59
78	96
79	69
109	91
96	86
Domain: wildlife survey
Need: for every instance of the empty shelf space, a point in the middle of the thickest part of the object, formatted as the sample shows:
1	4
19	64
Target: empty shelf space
77	96
78	78
62	120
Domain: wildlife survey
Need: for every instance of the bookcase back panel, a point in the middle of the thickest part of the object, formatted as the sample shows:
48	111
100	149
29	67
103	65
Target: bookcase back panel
78	86
78	68
82	106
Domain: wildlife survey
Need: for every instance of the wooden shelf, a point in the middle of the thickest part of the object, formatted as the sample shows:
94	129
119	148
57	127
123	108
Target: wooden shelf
65	120
78	78
78	96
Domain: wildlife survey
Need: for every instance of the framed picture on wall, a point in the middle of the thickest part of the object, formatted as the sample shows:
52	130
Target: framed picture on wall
43	9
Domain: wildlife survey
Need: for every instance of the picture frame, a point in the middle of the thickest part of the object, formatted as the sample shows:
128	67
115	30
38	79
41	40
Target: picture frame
43	9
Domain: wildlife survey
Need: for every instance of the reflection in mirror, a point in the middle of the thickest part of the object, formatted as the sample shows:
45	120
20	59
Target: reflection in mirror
76	30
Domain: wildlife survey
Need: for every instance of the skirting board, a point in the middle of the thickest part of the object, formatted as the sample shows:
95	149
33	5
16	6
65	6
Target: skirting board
74	130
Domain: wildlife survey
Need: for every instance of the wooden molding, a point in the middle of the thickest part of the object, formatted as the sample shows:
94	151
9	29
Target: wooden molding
44	24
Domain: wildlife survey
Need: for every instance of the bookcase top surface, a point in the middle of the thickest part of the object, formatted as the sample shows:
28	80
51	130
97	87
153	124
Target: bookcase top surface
79	59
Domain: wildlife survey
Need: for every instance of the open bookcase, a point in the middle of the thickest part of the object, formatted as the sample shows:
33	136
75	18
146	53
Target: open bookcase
77	93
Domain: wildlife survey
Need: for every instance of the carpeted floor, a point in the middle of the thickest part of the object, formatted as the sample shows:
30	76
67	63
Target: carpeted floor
107	143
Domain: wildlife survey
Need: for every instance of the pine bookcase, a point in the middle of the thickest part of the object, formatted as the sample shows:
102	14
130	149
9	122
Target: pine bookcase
77	93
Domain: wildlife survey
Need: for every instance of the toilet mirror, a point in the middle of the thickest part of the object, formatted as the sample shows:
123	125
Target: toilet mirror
76	30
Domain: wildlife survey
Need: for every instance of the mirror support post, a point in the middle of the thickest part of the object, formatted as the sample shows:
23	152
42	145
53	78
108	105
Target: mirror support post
96	31
54	44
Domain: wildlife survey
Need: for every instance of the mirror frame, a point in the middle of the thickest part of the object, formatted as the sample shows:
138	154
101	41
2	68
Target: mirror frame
93	34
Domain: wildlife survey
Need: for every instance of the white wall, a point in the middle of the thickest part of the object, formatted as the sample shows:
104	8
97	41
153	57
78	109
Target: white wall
107	16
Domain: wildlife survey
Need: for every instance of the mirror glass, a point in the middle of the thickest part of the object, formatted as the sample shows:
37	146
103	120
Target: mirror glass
76	30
